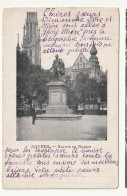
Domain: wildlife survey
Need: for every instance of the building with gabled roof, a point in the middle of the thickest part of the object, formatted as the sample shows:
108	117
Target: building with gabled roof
90	68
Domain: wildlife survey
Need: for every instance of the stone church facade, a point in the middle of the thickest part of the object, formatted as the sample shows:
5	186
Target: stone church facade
80	74
90	68
31	38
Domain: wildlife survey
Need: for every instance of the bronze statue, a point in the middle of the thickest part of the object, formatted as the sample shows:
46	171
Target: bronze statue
58	68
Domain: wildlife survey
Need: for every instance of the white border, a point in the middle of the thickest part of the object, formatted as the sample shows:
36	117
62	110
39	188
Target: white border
122	5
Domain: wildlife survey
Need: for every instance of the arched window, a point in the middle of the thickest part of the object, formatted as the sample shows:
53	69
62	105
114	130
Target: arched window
83	64
80	59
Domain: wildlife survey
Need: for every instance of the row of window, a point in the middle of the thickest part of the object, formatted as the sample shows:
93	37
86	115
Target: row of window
83	65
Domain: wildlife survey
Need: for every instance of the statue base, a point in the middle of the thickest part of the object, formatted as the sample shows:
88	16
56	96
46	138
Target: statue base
57	98
57	110
60	117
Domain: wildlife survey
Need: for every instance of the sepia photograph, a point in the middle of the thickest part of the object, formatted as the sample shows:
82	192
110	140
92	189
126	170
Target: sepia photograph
60	97
61	89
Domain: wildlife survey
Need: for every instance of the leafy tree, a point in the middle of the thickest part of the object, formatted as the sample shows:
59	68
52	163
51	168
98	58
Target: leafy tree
31	80
86	91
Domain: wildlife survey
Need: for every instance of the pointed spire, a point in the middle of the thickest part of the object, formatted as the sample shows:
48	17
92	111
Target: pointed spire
18	40
18	47
93	50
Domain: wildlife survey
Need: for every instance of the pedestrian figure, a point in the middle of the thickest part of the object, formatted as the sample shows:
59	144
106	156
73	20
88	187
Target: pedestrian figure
33	112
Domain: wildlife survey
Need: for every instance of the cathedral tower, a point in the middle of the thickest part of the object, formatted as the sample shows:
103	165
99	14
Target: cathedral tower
31	38
95	67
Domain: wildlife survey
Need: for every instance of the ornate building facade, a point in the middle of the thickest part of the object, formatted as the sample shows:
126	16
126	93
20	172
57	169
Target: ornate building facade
31	38
89	94
89	68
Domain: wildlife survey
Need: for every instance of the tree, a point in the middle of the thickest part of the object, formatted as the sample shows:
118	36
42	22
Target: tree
86	91
103	92
31	79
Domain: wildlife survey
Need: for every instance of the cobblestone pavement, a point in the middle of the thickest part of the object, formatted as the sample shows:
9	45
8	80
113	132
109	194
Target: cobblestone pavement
90	127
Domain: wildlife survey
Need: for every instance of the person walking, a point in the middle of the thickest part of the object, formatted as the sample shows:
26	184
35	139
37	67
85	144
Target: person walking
33	112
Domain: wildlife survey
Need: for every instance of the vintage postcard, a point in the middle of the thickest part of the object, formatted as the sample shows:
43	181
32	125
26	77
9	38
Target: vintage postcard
60	97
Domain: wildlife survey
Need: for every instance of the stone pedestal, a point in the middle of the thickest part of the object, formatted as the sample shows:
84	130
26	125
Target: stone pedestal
57	98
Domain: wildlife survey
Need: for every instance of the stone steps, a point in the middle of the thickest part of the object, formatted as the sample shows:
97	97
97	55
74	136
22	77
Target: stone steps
58	117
